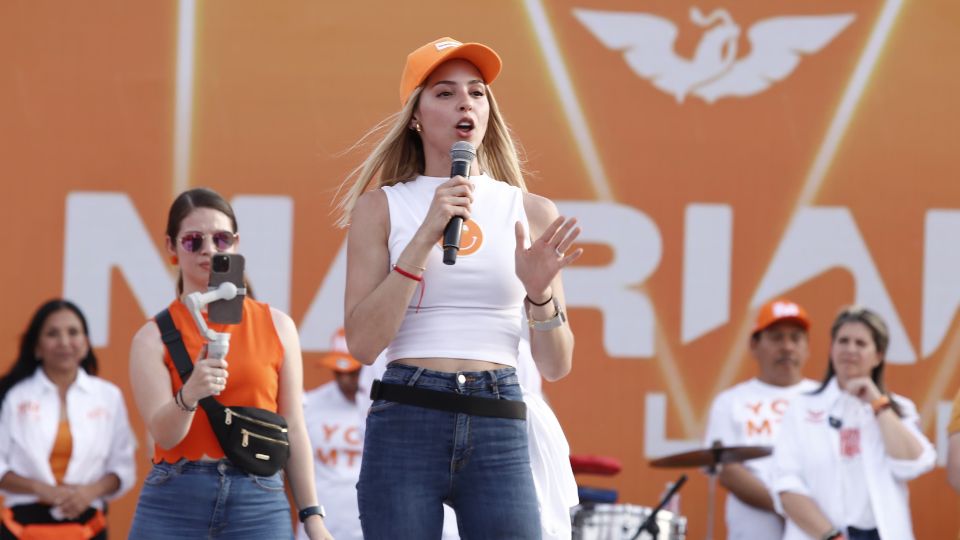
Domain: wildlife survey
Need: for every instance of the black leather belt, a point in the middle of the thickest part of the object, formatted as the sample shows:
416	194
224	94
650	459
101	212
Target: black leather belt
445	401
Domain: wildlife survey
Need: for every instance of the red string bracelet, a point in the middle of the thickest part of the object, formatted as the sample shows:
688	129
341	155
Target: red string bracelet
418	279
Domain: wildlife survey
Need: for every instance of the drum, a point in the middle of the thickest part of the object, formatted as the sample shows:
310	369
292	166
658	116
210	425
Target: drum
621	522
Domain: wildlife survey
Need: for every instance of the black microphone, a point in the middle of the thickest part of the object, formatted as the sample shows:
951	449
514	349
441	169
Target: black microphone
835	422
462	155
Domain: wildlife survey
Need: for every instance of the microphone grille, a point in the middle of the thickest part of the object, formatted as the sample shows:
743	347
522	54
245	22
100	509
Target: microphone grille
462	151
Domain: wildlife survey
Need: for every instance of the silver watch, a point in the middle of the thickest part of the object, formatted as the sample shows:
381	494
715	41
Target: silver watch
558	319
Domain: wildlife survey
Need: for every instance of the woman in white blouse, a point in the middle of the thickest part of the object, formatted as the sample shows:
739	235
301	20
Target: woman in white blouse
65	441
845	452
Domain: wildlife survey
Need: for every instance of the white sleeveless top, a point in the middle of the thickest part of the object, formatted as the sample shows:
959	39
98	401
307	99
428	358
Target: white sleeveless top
472	309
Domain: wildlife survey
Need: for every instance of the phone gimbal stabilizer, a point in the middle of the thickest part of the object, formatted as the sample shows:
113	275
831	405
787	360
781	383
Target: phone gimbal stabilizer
218	343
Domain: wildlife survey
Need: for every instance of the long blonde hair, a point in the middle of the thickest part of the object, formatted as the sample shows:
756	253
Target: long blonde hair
398	156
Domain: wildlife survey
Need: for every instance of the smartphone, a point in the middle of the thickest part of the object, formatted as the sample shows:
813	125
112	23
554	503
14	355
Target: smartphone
223	268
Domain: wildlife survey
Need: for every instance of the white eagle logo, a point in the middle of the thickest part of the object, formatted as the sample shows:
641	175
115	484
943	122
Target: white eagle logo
647	42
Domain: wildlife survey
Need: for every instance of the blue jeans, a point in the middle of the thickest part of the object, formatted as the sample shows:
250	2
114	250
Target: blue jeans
415	459
210	499
854	533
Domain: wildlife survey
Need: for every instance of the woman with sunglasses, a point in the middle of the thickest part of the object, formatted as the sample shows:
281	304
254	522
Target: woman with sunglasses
447	424
193	491
845	452
66	446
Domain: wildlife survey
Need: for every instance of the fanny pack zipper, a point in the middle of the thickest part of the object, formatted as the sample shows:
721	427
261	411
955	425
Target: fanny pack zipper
247	434
231	413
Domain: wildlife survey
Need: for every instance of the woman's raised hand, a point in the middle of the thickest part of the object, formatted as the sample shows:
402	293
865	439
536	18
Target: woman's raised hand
539	264
863	388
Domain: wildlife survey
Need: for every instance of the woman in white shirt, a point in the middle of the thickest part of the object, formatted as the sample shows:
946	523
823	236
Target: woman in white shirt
448	423
65	442
845	452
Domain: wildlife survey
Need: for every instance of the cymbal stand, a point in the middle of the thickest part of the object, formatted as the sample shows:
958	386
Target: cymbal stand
712	471
711	498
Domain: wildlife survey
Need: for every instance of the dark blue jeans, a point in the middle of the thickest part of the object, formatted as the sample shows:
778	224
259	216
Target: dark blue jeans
415	459
854	533
210	499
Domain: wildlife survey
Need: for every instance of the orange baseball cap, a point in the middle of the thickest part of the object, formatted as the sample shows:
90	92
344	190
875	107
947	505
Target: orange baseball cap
778	310
422	62
339	358
339	362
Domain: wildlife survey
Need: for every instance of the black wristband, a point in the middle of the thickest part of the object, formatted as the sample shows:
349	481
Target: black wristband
178	399
545	302
311	511
832	534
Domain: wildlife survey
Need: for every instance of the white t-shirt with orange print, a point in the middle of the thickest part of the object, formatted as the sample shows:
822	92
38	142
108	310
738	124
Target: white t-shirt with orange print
749	414
334	426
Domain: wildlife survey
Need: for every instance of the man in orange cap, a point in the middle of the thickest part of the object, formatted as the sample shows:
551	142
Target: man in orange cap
334	425
749	414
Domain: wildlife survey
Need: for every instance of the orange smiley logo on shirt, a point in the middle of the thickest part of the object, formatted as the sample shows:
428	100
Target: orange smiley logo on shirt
471	238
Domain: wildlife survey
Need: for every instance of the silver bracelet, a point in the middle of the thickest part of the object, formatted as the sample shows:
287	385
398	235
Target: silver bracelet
558	319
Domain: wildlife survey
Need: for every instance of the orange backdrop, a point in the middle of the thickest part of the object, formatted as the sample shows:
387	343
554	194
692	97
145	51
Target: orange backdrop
717	158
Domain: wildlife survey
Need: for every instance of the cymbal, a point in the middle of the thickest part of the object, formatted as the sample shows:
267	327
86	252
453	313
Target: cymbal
709	457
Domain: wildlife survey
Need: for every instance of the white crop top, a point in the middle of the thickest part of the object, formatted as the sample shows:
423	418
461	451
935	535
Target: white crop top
472	309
